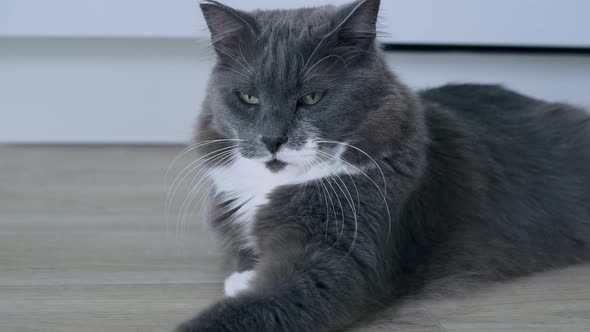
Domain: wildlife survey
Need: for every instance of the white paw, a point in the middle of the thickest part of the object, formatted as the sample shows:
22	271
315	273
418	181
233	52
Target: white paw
238	282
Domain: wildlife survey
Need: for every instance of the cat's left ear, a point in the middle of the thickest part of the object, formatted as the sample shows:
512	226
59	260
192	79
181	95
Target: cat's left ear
358	24
229	27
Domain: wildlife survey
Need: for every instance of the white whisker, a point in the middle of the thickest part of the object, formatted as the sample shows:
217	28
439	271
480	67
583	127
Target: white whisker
219	160
206	194
322	59
311	164
185	173
182	174
354	210
348	198
382	192
341	209
224	162
244	58
244	78
366	154
323	163
193	147
236	60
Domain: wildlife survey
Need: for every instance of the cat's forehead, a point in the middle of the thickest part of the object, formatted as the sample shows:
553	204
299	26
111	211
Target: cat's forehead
294	25
286	39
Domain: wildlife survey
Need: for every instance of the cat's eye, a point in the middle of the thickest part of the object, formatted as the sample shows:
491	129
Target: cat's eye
312	98
249	99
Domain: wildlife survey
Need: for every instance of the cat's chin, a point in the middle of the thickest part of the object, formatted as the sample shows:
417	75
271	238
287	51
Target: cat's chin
275	165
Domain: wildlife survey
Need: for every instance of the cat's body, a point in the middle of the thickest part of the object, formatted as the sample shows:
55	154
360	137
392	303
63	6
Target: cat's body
513	196
377	192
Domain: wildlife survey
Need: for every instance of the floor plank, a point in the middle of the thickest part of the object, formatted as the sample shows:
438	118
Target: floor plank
93	308
85	246
552	301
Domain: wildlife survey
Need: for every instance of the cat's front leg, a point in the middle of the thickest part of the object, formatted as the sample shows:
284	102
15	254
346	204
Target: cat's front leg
238	282
296	287
242	265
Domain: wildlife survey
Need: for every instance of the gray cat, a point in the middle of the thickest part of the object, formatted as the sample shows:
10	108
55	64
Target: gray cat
338	190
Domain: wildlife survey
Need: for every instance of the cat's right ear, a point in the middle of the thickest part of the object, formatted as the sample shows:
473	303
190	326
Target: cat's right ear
357	29
229	27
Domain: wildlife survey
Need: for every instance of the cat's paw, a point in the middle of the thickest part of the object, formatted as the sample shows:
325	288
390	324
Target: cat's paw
238	282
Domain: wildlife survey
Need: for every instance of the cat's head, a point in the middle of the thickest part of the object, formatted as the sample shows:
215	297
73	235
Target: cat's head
288	82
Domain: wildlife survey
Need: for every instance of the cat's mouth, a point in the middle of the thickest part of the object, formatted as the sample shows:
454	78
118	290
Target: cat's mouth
275	165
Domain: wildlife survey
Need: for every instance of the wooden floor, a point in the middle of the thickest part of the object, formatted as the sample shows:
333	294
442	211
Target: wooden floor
84	246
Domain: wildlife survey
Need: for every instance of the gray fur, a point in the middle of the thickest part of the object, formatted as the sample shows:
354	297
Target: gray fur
482	183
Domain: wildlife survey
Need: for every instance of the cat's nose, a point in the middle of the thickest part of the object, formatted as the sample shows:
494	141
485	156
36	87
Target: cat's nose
273	143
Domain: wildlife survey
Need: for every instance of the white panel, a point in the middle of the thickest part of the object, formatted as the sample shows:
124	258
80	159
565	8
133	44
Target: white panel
503	22
490	22
100	18
149	91
89	91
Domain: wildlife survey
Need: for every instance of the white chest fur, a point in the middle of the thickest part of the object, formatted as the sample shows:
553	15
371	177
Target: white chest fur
248	182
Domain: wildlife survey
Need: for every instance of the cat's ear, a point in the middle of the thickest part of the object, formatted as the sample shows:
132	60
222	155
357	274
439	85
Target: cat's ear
229	27
357	25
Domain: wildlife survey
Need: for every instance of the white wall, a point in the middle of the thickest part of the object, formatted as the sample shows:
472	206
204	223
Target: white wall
500	22
134	71
100	90
149	90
